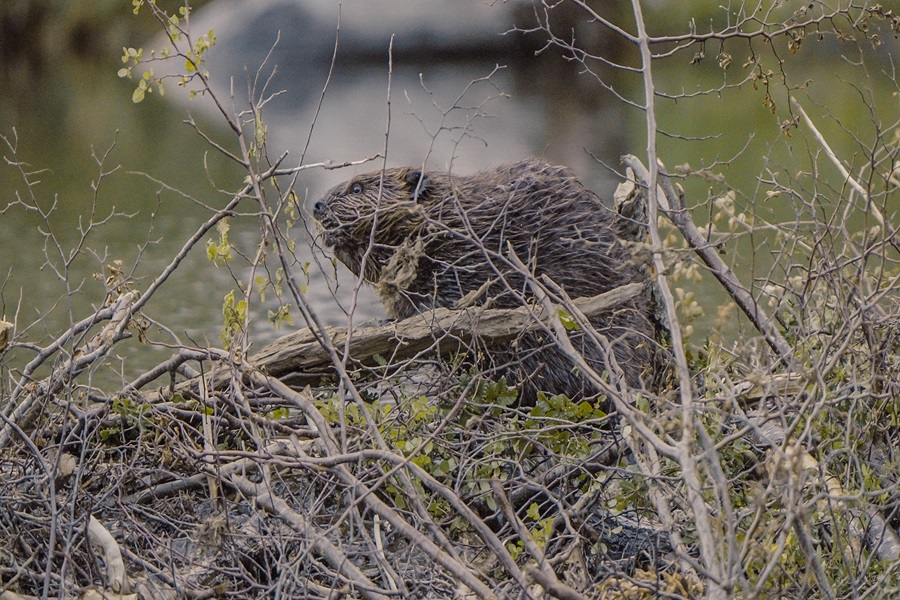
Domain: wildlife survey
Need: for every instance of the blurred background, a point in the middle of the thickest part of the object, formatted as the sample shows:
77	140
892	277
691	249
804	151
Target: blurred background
473	84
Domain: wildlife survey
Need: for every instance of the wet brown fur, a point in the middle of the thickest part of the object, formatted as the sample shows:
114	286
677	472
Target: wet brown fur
441	238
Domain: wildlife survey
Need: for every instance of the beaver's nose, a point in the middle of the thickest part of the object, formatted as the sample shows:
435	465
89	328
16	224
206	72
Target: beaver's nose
318	208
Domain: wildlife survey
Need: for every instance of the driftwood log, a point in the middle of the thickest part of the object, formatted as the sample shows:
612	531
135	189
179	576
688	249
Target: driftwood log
300	358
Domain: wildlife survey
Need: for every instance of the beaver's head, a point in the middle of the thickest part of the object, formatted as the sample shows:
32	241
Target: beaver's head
387	201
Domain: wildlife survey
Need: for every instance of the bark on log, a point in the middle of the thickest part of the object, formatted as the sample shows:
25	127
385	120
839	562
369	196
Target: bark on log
299	358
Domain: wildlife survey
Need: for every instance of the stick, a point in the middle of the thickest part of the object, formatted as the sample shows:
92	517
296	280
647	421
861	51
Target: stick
682	220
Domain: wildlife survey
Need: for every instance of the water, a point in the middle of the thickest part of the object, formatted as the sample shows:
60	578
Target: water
473	106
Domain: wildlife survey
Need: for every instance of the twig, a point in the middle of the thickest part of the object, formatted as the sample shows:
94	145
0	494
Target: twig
116	577
119	314
690	473
544	574
870	206
375	504
867	524
676	213
327	165
265	498
169	366
273	448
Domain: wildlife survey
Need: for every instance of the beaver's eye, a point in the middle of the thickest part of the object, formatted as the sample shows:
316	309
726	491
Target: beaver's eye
356	188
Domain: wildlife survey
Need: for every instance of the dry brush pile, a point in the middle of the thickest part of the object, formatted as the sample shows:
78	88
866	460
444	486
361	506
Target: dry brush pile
377	463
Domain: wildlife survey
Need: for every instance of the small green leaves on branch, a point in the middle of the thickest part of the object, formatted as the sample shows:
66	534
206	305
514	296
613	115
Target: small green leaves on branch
235	314
137	4
195	56
220	252
281	316
177	29
567	320
145	84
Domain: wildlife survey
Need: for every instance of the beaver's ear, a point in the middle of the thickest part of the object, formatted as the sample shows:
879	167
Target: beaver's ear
417	182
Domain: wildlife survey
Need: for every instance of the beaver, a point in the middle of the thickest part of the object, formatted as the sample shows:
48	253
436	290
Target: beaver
430	239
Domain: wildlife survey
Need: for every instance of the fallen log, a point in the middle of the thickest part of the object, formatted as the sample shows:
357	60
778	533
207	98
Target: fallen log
299	358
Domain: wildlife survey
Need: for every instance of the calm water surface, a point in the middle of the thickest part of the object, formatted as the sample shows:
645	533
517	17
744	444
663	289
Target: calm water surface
160	179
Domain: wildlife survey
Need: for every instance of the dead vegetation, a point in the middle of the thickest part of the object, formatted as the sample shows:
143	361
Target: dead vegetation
377	463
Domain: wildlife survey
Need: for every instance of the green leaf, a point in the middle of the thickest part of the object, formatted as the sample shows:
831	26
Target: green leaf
138	94
567	320
124	72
